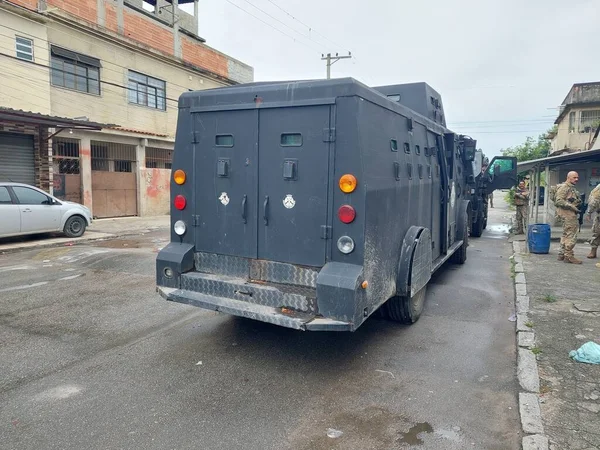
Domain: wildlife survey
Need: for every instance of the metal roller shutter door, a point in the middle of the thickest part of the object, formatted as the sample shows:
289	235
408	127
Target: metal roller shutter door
17	159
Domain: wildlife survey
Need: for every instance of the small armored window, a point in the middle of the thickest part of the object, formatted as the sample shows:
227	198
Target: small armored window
420	169
394	97
291	140
409	170
394	145
224	140
417	149
426	151
406	147
429	171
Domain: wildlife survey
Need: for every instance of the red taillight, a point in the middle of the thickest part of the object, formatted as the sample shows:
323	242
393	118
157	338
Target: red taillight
179	202
346	213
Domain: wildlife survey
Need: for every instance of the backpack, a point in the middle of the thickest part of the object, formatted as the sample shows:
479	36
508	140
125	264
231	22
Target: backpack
552	192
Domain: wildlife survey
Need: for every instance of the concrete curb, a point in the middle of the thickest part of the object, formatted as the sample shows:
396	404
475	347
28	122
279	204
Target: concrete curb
527	369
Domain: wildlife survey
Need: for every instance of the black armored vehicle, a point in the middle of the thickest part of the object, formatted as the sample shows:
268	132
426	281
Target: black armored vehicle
313	204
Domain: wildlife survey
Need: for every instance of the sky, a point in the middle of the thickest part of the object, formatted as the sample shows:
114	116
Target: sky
502	68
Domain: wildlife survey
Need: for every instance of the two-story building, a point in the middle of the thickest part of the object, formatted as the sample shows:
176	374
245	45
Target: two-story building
118	65
578	119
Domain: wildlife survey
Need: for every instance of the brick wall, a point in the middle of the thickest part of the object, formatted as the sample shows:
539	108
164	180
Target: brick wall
85	9
202	56
144	31
29	4
111	17
40	142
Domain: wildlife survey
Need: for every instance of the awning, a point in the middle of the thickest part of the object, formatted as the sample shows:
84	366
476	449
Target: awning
74	56
560	160
16	115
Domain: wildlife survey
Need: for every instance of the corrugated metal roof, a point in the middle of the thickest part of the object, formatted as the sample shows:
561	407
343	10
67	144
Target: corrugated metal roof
588	155
19	115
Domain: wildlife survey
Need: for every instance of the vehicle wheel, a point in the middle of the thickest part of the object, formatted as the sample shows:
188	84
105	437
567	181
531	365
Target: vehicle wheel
405	309
75	226
460	255
477	228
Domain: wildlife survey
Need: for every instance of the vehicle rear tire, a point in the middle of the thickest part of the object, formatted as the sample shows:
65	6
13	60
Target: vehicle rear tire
477	228
75	227
405	309
460	255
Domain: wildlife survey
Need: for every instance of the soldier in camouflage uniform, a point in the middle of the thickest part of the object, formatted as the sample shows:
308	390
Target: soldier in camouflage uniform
594	208
567	205
521	202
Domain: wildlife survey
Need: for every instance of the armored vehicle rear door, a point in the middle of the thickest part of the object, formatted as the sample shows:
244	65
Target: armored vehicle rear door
293	183
225	177
502	172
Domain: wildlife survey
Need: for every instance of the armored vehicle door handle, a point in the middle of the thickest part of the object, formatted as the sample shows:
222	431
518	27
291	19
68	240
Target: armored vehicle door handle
244	208
266	210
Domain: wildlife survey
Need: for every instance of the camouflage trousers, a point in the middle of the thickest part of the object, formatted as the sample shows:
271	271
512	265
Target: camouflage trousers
521	218
595	241
569	235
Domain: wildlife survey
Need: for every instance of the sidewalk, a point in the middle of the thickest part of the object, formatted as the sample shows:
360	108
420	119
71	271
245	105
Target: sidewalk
564	313
100	229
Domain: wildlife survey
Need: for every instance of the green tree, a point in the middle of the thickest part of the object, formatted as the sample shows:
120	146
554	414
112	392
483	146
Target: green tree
530	149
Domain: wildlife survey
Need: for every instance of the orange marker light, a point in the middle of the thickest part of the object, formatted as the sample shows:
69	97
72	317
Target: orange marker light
365	284
179	176
348	183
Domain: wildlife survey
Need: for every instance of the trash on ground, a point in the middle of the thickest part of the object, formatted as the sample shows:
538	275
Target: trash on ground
385	371
332	433
513	318
199	363
587	353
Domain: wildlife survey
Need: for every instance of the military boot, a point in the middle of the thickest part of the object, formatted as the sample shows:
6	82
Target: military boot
561	257
593	252
572	260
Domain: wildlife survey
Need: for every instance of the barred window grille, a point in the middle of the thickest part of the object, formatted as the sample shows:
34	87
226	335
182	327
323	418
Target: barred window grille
66	154
158	158
112	157
590	120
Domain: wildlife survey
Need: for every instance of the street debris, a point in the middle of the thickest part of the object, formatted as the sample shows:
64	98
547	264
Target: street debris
587	353
513	318
333	433
199	363
385	371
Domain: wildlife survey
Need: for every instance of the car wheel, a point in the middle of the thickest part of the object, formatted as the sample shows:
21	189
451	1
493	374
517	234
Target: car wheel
75	226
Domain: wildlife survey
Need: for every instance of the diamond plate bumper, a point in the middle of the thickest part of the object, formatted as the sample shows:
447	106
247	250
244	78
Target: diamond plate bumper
263	313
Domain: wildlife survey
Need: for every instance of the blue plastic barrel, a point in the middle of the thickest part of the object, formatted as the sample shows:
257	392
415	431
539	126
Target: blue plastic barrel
538	235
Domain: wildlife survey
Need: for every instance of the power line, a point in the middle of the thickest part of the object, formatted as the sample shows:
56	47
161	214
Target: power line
281	22
268	24
311	29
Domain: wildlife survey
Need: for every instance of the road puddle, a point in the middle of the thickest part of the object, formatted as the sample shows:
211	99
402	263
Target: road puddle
119	243
412	436
498	230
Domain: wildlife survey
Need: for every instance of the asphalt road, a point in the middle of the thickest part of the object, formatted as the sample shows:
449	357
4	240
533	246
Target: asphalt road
92	358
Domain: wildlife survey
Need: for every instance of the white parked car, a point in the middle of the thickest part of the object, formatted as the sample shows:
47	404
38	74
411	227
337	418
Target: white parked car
26	209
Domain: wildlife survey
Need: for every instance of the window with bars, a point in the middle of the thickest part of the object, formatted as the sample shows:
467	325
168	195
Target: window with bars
75	71
24	48
147	91
158	158
590	120
66	154
112	157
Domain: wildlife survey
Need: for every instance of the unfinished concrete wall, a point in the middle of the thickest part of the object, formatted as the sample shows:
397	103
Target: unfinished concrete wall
155	198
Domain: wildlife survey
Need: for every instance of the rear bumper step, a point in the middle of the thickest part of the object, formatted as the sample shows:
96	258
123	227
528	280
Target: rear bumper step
270	314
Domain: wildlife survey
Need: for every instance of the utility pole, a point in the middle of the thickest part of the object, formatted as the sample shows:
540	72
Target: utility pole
335	59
